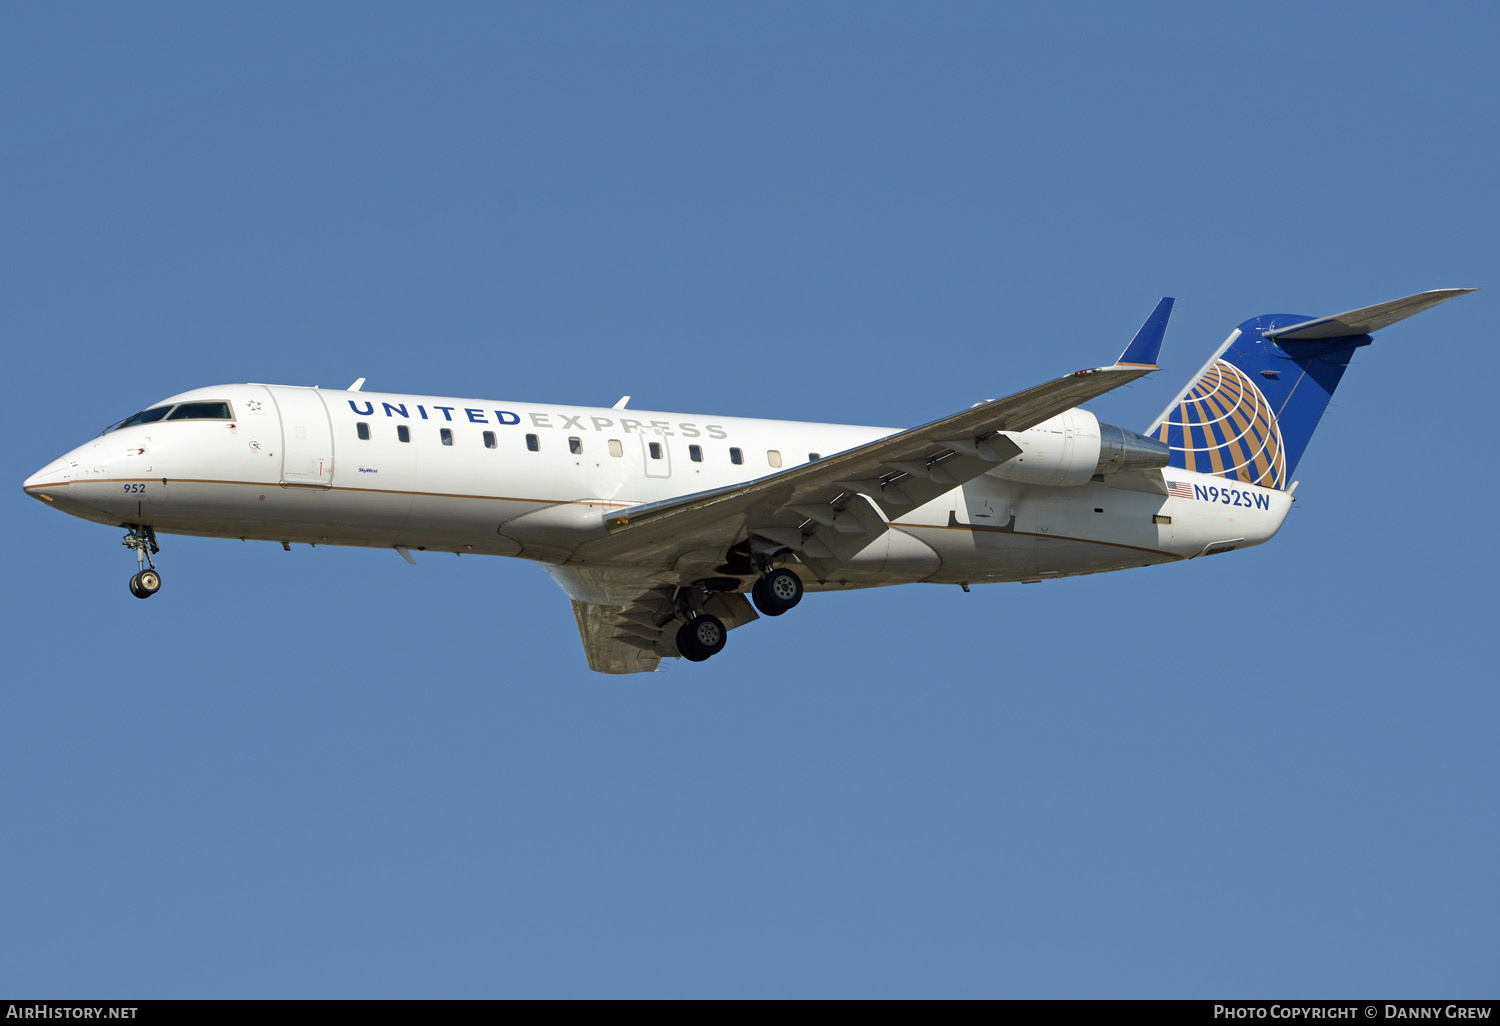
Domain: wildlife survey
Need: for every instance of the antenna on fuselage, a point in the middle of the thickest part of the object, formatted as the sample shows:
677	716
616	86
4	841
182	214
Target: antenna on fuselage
617	406
358	384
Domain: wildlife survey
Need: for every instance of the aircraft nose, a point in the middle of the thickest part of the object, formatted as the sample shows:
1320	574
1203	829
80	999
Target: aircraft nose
76	482
54	473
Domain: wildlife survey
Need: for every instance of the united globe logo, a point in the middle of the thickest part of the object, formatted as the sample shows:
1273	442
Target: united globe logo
1224	426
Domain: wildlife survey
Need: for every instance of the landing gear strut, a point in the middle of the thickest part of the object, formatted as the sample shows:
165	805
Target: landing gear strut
147	581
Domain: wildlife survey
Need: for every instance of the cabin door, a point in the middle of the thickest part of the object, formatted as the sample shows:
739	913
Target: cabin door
306	437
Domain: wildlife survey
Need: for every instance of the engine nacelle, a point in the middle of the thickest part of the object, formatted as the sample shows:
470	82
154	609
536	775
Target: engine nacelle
1072	447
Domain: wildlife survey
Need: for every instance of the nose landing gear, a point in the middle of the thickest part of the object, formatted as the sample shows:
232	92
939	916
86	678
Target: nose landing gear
147	581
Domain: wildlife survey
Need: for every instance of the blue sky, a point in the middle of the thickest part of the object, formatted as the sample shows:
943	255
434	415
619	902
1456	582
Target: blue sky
327	773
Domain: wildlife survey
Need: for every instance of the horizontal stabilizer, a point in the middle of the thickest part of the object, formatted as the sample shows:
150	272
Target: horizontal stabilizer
1145	348
1364	320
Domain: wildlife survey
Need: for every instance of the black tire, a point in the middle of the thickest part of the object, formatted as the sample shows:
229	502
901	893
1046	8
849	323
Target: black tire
778	591
145	584
702	636
710	633
688	645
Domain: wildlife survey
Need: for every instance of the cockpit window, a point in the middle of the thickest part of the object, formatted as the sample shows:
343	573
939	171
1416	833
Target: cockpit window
150	416
202	411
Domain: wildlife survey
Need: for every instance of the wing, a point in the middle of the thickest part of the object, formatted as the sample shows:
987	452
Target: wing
832	508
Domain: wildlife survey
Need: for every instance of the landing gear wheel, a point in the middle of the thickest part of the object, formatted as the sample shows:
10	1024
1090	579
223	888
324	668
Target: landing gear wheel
702	636
777	592
145	584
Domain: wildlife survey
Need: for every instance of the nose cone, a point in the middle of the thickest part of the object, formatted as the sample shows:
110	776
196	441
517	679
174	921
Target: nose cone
57	482
52	475
79	483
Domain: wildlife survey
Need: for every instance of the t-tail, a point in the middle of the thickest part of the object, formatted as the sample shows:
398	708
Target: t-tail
1250	412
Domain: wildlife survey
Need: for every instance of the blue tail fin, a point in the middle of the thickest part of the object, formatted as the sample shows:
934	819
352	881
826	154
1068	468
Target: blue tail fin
1250	412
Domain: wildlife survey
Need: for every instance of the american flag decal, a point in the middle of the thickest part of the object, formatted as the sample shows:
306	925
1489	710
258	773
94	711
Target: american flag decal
1182	491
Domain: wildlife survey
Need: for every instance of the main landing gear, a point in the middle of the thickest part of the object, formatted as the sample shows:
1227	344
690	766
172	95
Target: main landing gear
777	591
147	581
703	634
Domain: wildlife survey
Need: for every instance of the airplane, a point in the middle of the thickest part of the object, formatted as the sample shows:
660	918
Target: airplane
669	530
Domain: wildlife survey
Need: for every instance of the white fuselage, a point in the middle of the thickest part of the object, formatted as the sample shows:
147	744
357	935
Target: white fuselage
533	481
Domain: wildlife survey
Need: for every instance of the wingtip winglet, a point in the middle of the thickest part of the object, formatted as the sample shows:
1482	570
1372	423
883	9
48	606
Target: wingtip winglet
1145	348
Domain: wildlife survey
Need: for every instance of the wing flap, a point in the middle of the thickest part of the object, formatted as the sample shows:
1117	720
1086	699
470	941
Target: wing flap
606	651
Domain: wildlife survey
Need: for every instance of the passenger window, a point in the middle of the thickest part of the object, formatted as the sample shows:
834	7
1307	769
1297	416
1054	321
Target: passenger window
489	439
533	443
655	448
773	457
615	448
736	457
575	446
446	434
403	433
201	411
695	453
813	457
363	430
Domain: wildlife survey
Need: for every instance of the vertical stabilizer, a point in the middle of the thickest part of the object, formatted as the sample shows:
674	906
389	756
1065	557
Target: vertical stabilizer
1250	412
